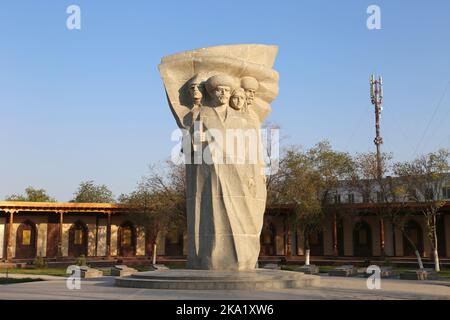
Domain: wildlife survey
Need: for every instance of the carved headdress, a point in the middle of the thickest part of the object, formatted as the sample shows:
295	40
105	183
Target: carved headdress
219	80
249	83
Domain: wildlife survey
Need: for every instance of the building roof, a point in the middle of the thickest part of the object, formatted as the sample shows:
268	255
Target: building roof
59	207
23	206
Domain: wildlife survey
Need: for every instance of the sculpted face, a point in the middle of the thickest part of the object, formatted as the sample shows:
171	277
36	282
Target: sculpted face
195	92
222	94
250	86
237	100
250	95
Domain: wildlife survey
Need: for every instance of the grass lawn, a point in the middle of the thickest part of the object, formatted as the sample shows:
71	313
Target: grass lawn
326	269
61	272
12	281
175	265
45	271
444	273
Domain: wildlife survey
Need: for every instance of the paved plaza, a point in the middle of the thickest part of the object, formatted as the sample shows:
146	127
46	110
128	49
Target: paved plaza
330	288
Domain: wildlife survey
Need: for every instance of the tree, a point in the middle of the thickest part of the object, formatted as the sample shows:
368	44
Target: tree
32	195
299	189
271	148
308	177
393	198
88	192
424	179
158	203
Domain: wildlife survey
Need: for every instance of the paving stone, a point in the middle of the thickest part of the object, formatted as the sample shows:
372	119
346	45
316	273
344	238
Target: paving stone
330	288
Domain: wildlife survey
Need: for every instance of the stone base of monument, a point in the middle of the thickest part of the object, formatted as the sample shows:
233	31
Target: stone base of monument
184	279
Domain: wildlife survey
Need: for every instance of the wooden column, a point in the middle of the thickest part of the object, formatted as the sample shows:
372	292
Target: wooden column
108	236
96	235
288	250
382	253
335	241
9	242
60	233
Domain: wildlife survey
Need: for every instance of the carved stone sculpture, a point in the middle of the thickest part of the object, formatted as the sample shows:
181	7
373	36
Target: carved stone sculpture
219	95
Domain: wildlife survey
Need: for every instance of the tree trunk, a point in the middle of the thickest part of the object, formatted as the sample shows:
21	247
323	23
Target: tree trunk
419	259
436	260
413	245
153	243
307	255
434	241
307	250
154	253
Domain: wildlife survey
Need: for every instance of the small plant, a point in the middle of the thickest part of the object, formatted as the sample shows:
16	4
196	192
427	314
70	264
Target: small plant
39	262
81	260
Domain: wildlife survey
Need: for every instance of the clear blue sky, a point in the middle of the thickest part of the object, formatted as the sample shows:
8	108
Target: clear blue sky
89	104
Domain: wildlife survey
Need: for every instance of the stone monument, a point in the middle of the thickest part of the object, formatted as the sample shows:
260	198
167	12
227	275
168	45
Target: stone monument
218	96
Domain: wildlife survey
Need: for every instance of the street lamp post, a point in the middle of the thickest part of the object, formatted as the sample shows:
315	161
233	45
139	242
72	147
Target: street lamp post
376	97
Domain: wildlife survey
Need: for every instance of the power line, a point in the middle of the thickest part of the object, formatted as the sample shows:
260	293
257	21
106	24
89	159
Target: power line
431	119
439	126
356	127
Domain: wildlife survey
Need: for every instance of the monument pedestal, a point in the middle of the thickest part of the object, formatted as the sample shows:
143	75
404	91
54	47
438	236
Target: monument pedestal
185	279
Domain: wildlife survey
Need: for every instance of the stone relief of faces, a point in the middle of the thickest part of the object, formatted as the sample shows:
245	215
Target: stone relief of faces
250	86
238	98
222	94
250	95
220	89
195	90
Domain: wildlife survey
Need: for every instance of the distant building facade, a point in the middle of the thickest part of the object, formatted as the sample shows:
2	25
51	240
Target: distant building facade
64	231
